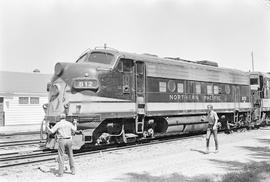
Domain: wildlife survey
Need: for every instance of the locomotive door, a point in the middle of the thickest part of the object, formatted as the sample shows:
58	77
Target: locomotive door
236	98
140	95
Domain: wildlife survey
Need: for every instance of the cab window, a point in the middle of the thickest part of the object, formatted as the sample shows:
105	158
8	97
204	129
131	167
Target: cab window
127	65
253	81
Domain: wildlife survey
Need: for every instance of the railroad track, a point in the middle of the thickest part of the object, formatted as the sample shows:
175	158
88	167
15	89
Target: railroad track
20	142
41	156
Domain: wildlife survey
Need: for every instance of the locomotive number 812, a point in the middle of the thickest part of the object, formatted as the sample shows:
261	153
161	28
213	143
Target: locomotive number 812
121	97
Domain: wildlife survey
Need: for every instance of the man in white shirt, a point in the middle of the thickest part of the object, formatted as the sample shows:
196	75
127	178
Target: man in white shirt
63	130
212	118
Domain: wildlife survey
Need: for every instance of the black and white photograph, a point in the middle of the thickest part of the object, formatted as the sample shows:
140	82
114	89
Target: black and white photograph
135	90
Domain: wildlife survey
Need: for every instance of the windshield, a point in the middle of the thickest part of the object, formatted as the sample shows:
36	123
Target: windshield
97	57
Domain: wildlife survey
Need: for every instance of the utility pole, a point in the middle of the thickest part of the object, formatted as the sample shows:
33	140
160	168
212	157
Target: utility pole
252	58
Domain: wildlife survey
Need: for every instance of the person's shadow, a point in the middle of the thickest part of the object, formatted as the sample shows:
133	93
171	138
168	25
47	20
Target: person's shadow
54	171
46	169
200	151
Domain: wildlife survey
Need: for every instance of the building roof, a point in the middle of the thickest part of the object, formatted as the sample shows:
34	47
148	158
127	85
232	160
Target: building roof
27	83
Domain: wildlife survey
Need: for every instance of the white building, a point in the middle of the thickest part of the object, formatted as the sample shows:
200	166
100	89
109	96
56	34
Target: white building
21	97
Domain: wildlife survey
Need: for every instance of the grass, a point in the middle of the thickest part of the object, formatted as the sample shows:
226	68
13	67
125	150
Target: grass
251	172
145	177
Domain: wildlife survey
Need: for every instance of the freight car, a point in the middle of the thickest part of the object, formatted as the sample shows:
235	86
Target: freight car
121	97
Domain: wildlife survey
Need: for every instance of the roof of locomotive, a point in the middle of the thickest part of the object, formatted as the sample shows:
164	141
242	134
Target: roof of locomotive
170	68
155	59
267	75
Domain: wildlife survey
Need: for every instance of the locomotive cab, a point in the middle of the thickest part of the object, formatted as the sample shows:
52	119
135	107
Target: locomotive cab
73	88
100	90
258	87
260	95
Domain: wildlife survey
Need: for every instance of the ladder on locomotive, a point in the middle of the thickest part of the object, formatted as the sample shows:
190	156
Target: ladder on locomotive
140	96
139	120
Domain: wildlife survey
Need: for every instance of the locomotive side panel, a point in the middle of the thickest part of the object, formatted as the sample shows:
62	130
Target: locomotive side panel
193	71
183	95
180	94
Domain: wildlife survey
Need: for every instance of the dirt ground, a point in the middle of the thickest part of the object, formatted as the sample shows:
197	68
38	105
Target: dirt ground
184	158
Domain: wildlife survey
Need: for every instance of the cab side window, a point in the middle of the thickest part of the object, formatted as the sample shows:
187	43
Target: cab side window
120	66
127	65
140	68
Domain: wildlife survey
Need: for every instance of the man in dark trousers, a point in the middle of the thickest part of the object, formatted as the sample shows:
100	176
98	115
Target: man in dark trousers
212	118
63	130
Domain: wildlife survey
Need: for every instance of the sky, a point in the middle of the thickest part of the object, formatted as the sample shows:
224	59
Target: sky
38	33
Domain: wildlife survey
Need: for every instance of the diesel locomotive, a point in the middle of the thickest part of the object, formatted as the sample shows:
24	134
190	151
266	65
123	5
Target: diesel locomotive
120	97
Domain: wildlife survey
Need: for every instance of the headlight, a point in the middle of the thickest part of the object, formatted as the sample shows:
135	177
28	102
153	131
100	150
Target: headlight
54	92
45	107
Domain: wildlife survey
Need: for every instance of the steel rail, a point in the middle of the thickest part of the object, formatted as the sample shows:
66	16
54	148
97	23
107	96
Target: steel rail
21	152
26	156
51	155
18	141
23	142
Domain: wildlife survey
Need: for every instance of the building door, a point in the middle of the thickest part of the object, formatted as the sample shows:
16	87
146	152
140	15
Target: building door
2	114
140	95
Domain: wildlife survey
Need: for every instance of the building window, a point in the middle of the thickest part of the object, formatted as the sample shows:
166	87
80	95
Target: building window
209	90
180	87
162	86
34	100
23	100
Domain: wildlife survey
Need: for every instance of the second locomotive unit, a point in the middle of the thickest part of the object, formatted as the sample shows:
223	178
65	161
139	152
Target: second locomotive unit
118	96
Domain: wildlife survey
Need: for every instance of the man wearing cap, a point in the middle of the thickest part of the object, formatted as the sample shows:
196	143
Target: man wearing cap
212	118
63	130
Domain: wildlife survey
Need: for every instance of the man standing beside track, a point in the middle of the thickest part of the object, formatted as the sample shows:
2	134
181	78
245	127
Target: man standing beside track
63	130
212	118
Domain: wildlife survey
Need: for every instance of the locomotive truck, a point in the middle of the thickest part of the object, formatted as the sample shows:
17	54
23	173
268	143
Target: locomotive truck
120	97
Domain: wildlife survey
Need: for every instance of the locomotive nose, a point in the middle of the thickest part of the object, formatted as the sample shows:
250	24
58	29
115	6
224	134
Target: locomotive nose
78	76
59	68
